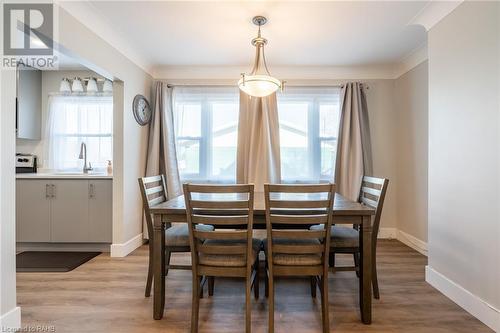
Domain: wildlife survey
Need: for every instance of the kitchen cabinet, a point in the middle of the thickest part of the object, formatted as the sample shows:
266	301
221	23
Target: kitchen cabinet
64	210
33	211
100	210
69	211
28	103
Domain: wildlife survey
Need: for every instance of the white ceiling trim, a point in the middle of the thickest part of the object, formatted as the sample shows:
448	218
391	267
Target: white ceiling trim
434	12
86	13
288	73
411	61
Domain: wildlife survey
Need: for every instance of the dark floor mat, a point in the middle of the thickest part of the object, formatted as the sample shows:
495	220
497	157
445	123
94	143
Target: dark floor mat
34	261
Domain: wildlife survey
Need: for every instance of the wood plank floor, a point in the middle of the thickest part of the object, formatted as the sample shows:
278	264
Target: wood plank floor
107	295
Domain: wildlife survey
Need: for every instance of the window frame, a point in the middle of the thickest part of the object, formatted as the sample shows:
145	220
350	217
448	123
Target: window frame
205	139
314	99
78	101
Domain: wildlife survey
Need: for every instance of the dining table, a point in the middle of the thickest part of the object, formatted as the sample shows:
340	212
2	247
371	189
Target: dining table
345	211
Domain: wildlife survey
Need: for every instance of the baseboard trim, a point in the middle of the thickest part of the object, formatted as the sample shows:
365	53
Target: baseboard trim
11	321
413	242
477	307
124	249
387	233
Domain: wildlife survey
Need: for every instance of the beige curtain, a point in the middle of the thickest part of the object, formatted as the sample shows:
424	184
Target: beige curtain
258	157
354	156
162	157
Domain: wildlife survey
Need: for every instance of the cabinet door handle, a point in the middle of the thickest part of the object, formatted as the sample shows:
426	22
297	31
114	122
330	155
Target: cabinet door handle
53	187
91	191
47	194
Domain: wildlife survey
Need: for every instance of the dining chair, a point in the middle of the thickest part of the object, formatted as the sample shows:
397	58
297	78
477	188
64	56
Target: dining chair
232	252
153	191
346	239
298	252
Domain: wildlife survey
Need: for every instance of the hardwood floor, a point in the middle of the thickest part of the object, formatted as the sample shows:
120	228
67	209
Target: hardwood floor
107	295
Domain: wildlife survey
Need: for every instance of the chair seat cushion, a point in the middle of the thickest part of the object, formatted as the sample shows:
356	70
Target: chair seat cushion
295	259
229	259
178	233
341	236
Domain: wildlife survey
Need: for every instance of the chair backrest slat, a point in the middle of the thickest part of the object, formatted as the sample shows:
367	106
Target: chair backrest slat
299	203
299	219
372	193
300	206
369	202
220	219
153	191
221	206
233	204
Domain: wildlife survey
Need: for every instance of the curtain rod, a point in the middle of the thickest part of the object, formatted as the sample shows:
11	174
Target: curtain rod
171	85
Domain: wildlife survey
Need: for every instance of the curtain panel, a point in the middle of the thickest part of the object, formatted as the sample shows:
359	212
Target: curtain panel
354	152
161	154
258	155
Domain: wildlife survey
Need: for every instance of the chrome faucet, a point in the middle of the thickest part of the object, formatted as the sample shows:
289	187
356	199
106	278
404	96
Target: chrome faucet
83	156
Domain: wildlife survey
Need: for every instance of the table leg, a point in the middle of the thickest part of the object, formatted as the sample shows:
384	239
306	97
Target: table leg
158	267
365	281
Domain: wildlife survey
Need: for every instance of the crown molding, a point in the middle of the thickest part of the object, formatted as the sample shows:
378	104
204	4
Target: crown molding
434	12
287	73
89	16
410	61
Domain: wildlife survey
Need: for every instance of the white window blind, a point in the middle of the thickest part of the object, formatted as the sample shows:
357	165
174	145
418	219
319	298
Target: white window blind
309	124
206	129
76	119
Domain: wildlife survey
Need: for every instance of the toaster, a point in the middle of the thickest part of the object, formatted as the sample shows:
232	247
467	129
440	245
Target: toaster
26	163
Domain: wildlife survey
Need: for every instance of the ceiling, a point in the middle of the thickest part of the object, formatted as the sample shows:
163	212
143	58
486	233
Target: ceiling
208	33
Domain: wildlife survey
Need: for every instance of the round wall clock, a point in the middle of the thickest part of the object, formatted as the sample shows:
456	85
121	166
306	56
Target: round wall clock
142	111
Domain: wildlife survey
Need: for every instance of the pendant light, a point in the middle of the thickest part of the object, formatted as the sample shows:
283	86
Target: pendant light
259	83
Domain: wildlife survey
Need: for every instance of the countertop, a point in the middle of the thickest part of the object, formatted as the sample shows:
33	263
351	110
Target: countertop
63	175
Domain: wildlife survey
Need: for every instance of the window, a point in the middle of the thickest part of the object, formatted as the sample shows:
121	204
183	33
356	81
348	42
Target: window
76	119
309	124
206	129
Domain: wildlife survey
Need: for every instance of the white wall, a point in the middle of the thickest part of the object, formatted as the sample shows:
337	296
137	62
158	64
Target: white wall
464	159
10	315
411	104
50	84
129	139
383	130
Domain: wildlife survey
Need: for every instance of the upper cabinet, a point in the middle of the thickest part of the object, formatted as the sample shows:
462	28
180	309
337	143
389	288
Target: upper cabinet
29	103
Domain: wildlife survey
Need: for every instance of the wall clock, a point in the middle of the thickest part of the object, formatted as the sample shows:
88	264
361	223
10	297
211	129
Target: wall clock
142	110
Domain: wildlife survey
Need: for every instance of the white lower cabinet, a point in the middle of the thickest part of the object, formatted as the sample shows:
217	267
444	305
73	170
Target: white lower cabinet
64	210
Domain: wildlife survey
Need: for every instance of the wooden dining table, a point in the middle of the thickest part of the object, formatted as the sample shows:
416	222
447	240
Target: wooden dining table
345	212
